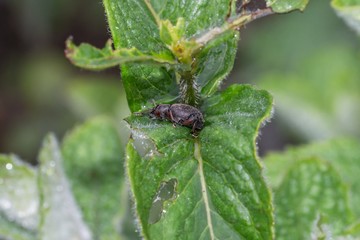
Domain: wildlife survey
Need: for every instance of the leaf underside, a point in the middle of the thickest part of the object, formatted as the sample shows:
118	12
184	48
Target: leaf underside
18	199
60	216
217	187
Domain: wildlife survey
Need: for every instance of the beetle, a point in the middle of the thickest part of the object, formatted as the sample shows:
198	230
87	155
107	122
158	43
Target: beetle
181	114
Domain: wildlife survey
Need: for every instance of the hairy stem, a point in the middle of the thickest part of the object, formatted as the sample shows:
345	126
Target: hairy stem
189	92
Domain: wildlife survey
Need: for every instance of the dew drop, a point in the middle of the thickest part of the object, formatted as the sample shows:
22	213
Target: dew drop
9	166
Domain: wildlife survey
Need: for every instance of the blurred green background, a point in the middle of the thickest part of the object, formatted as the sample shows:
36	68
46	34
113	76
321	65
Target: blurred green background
309	61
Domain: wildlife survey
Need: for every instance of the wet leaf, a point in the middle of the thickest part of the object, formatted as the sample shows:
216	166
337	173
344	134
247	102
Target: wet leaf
93	159
219	192
19	200
311	190
349	10
60	216
284	6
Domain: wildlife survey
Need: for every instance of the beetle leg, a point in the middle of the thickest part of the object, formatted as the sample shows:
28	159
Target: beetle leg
193	132
194	127
171	118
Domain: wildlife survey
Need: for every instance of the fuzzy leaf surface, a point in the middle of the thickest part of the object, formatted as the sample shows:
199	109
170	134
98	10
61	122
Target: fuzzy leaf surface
132	25
93	159
311	192
349	10
60	217
210	187
19	199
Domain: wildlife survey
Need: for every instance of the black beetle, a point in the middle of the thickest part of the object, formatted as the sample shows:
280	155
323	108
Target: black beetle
182	114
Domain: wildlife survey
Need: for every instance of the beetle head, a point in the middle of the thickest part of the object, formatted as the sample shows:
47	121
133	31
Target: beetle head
161	111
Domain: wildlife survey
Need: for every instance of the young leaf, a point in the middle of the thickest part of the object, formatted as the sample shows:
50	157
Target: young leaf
343	154
89	57
19	199
349	10
284	6
93	158
60	216
143	83
210	187
311	189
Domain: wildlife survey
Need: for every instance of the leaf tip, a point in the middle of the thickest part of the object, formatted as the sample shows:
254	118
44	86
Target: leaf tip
69	47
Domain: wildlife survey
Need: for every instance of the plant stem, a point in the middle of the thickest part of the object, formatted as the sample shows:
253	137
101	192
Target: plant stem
231	24
189	92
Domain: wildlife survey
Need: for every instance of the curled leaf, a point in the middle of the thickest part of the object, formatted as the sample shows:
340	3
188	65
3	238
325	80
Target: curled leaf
89	57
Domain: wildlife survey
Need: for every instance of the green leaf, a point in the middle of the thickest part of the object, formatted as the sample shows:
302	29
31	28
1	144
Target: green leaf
311	189
132	25
210	187
349	10
343	154
284	6
19	199
171	34
215	62
93	159
89	57
60	216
